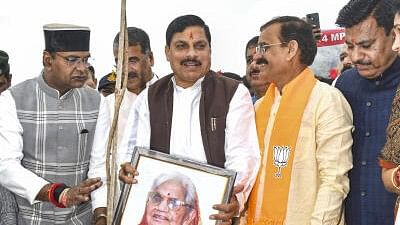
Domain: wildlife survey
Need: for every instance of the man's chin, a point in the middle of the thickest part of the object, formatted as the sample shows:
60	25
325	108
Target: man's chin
369	74
78	84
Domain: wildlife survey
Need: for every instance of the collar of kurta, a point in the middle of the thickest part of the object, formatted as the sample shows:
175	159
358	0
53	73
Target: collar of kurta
51	91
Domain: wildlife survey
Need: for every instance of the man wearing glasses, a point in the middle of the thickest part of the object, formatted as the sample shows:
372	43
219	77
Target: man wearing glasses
46	132
172	200
304	130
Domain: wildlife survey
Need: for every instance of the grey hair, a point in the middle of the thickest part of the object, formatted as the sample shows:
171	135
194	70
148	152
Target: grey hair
187	184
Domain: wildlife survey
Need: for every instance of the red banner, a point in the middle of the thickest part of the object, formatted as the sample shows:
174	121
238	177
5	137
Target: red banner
331	37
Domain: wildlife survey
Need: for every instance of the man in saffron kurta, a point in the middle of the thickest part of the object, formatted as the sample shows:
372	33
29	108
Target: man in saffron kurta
304	130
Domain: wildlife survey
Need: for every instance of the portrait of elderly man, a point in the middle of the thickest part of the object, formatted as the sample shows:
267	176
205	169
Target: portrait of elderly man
172	200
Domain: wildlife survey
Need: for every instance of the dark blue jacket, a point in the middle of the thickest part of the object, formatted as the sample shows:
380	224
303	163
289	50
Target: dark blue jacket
368	203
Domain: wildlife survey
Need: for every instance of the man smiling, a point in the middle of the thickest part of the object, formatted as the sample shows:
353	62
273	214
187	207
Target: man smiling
196	114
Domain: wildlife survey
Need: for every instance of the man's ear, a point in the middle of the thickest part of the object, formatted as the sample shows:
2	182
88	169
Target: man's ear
47	59
293	49
151	58
166	50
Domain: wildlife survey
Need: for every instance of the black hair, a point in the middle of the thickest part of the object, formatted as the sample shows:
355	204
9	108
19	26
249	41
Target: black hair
179	24
232	76
396	6
136	36
91	69
294	28
356	11
251	43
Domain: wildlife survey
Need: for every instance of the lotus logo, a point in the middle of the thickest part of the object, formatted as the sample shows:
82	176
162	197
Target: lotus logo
281	156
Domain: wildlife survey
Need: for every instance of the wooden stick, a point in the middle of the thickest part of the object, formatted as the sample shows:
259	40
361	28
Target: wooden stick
122	71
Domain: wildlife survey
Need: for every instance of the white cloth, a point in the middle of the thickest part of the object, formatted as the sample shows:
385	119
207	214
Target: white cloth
126	104
152	80
98	155
241	143
106	114
11	153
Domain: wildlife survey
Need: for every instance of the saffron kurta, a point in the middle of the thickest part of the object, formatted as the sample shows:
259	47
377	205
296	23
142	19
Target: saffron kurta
322	158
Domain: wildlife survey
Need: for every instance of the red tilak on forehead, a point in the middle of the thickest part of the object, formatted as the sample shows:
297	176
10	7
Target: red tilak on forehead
191	35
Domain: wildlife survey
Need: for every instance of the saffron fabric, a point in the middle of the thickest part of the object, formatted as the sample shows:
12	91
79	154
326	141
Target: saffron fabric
319	181
277	174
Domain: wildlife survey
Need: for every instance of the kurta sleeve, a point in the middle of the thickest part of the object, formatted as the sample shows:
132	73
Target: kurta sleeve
241	144
97	166
13	175
334	158
142	131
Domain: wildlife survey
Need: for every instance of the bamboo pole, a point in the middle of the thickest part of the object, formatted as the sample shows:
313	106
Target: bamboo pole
122	77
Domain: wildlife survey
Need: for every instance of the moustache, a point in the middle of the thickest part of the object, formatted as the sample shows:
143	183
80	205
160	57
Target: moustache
192	61
132	75
254	71
261	61
360	62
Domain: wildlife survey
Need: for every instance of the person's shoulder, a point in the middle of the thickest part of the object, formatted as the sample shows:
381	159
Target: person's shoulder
24	85
347	79
89	91
226	83
110	96
89	94
160	82
325	89
327	93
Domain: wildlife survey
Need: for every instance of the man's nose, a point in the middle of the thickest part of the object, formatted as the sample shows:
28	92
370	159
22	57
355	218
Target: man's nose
191	52
396	44
357	55
81	66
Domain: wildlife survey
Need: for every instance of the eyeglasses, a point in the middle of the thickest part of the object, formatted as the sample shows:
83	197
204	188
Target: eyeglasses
262	48
73	61
172	203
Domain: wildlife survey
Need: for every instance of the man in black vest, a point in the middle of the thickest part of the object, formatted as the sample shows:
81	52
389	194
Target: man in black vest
196	114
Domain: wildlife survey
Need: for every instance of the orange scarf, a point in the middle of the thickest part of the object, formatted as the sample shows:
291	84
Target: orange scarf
268	200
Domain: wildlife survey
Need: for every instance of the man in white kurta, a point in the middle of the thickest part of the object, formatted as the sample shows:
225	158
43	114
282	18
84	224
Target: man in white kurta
190	97
140	76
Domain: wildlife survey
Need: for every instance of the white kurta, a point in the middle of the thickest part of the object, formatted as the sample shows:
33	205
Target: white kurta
104	120
241	143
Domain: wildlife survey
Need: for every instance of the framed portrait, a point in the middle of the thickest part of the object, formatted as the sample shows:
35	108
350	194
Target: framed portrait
172	190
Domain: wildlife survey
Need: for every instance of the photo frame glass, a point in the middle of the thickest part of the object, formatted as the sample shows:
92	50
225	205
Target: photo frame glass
172	190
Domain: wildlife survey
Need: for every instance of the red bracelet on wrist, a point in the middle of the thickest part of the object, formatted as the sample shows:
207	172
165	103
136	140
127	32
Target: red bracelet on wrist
51	195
